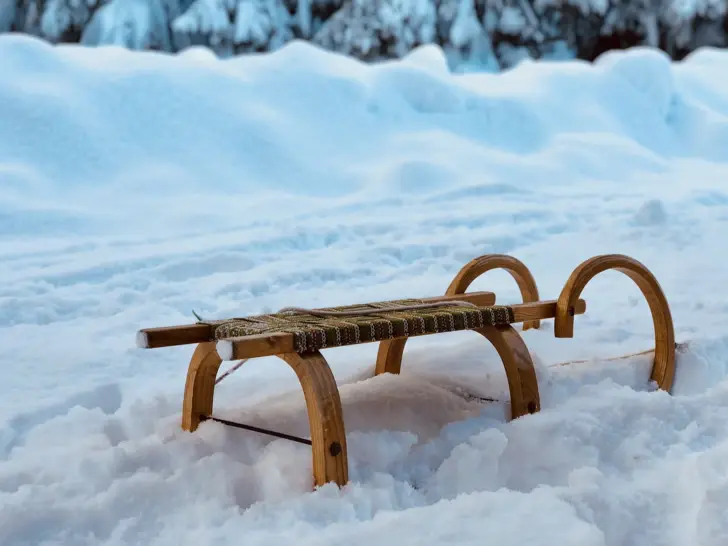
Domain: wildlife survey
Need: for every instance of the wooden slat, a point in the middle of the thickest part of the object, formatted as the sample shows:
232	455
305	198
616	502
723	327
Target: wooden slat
170	336
281	343
542	310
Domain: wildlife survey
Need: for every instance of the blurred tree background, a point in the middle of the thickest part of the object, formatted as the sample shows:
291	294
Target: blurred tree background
475	34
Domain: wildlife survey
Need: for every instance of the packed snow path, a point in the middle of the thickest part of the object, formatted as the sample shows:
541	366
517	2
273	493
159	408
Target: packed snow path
137	187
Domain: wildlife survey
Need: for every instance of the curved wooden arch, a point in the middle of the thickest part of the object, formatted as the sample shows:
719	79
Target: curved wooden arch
323	403
512	350
200	385
325	417
520	372
518	270
663	369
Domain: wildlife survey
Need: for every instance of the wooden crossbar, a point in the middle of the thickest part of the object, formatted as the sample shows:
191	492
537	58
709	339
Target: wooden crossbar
170	336
281	342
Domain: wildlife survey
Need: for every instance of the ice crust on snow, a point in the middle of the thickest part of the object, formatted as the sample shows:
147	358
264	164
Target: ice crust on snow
136	187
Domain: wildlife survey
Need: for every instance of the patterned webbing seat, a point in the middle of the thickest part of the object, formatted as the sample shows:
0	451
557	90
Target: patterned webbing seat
363	323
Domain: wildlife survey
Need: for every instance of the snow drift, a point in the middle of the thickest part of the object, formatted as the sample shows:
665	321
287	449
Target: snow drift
135	187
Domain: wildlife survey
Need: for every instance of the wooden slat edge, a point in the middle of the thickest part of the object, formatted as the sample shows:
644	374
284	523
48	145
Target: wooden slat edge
281	343
170	336
542	310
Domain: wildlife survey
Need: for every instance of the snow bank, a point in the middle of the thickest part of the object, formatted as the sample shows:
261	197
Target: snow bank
137	187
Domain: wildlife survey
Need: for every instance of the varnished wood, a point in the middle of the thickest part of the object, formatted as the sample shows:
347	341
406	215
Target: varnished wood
542	310
389	356
200	385
520	371
323	404
663	369
282	342
514	354
325	417
518	270
170	336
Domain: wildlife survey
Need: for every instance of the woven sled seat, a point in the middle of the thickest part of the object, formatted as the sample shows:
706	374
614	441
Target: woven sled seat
364	323
298	336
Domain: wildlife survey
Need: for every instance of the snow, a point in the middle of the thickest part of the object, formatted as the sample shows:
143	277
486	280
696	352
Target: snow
139	186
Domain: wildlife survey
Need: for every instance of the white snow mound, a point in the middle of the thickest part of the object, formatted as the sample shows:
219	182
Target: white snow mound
135	187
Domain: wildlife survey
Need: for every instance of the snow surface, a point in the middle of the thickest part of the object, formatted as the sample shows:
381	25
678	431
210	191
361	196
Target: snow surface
137	187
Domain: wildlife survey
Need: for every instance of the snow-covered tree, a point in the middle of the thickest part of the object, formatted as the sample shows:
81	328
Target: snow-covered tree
135	24
593	26
487	34
463	37
234	26
304	18
20	16
7	15
65	20
310	15
689	25
379	29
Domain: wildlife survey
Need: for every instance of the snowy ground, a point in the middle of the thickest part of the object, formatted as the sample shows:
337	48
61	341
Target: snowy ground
137	187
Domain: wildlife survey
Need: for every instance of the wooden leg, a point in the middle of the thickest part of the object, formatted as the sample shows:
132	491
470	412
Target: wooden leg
663	369
389	356
517	362
518	270
200	385
521	374
325	417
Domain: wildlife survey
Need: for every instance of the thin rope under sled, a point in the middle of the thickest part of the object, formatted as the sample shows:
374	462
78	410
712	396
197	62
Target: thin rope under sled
251	428
259	430
231	370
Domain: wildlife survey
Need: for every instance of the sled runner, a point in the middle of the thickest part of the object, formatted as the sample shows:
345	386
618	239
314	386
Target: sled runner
298	336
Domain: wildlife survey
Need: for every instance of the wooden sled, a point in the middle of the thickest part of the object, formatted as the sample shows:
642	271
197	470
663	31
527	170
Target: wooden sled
298	336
